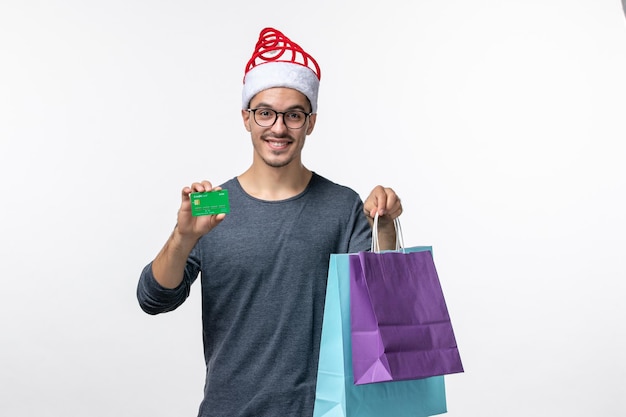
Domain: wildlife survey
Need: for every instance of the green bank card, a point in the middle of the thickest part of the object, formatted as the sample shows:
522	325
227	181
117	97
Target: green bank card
210	202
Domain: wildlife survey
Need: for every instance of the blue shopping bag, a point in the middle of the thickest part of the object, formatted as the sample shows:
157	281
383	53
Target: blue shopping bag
336	394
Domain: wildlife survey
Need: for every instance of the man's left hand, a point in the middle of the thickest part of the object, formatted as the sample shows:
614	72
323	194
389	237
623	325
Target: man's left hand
383	201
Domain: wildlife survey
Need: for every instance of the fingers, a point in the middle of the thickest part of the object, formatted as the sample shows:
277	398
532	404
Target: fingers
384	201
198	187
393	207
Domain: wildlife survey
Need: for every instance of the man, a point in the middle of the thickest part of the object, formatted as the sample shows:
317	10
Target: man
263	266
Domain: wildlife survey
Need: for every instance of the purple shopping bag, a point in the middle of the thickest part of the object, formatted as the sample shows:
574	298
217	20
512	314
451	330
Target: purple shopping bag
400	325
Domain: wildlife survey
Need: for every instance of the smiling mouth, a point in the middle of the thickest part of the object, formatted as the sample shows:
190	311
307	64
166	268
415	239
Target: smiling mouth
278	144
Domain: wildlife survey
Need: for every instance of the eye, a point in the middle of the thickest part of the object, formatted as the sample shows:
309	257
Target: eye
294	115
265	113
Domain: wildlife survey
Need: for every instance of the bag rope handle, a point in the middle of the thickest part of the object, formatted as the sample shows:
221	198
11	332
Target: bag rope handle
399	237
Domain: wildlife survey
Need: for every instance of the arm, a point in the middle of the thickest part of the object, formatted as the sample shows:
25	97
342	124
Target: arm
168	267
388	205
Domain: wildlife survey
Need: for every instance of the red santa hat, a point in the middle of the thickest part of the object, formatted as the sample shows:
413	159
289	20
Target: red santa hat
279	62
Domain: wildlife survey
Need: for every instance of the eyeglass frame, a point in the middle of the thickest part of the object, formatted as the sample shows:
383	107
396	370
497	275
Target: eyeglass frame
276	113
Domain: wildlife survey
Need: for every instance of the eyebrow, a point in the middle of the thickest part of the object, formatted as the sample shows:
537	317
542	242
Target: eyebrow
267	106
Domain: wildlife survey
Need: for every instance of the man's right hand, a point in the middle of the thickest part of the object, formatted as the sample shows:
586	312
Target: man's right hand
194	227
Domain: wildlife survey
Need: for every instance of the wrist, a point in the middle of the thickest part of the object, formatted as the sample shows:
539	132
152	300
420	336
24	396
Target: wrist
183	242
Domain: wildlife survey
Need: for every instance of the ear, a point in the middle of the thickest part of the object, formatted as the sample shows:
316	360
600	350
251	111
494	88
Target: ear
245	115
311	125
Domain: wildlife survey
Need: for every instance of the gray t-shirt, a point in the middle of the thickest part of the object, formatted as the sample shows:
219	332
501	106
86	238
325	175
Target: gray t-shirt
263	273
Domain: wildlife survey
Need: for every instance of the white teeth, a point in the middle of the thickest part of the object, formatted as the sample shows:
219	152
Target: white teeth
278	144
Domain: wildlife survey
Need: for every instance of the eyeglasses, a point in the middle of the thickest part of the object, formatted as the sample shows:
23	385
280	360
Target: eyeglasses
293	119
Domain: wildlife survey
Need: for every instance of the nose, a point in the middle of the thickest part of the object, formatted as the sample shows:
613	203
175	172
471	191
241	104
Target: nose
279	124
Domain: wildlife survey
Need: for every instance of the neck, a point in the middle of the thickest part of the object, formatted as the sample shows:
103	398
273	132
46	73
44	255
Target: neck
273	184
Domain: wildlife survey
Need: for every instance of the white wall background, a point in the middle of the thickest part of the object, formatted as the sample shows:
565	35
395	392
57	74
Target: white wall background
500	123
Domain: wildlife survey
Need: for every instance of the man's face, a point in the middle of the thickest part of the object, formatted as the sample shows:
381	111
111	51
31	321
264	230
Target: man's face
278	145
